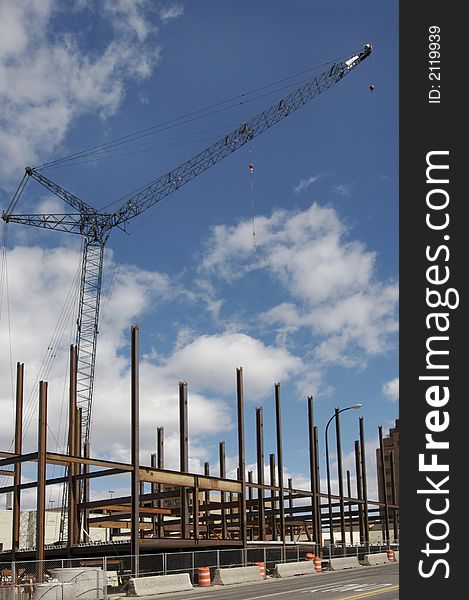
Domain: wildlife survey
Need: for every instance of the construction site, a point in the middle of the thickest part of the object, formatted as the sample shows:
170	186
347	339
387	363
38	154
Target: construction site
175	512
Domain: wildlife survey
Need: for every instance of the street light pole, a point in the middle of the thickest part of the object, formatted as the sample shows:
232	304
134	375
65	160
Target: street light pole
328	472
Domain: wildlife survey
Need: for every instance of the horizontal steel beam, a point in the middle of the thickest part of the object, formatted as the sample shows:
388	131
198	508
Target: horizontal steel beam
186	480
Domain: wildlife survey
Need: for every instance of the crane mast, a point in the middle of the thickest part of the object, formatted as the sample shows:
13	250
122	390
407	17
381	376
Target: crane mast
96	227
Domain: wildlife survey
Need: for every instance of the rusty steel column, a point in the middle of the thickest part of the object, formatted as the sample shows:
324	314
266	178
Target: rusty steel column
250	508
241	455
273	495
290	506
78	469
135	455
183	456
394	496
350	516
318	487
154	490
340	474
358	475
313	470
366	525
41	480
160	465
207	501
195	512
15	546
278	420
222	494
383	477
86	490
260	470
72	518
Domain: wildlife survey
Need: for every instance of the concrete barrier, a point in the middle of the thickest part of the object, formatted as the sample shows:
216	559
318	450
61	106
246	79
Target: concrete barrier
347	562
294	568
159	584
8	592
380	558
54	591
237	575
89	582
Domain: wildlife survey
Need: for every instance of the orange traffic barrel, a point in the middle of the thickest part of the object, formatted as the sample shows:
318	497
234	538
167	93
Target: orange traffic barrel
391	556
261	566
310	556
317	564
204	576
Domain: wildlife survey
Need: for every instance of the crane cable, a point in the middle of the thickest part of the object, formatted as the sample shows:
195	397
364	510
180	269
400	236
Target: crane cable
183	119
251	174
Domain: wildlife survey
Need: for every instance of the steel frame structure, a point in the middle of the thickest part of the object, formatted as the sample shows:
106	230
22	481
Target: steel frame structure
255	511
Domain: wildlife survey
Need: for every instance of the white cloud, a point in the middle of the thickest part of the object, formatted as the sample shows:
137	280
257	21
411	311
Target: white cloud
391	389
209	361
48	78
305	183
42	300
343	189
171	12
331	281
129	17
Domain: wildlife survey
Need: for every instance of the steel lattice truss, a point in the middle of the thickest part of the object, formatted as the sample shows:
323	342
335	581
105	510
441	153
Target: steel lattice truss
96	227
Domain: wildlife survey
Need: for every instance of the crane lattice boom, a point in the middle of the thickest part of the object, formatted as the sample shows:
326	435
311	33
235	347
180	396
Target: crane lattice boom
96	227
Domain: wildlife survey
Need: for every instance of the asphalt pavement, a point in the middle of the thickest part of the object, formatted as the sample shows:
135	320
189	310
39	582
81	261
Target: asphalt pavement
376	583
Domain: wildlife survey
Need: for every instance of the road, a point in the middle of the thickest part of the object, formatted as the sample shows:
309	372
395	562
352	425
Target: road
375	583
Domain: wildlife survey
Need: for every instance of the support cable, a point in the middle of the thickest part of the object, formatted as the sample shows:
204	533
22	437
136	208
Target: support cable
177	121
251	173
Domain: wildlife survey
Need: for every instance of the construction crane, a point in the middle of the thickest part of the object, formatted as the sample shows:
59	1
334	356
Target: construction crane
95	227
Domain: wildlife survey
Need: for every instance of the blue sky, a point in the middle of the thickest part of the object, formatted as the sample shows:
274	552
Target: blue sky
313	306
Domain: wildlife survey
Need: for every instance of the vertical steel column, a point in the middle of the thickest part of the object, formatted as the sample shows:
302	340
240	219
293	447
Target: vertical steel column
154	490
183	455
273	503
278	414
250	479
350	516
290	506
358	474
364	483
250	511
207	501
394	496
135	442
15	546
41	480
313	470
86	490
195	512
222	494
341	476
318	487
383	477
160	465
260	470
78	468
72	520
241	455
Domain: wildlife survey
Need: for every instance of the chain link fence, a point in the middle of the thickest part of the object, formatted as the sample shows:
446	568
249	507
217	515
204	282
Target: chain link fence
97	578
